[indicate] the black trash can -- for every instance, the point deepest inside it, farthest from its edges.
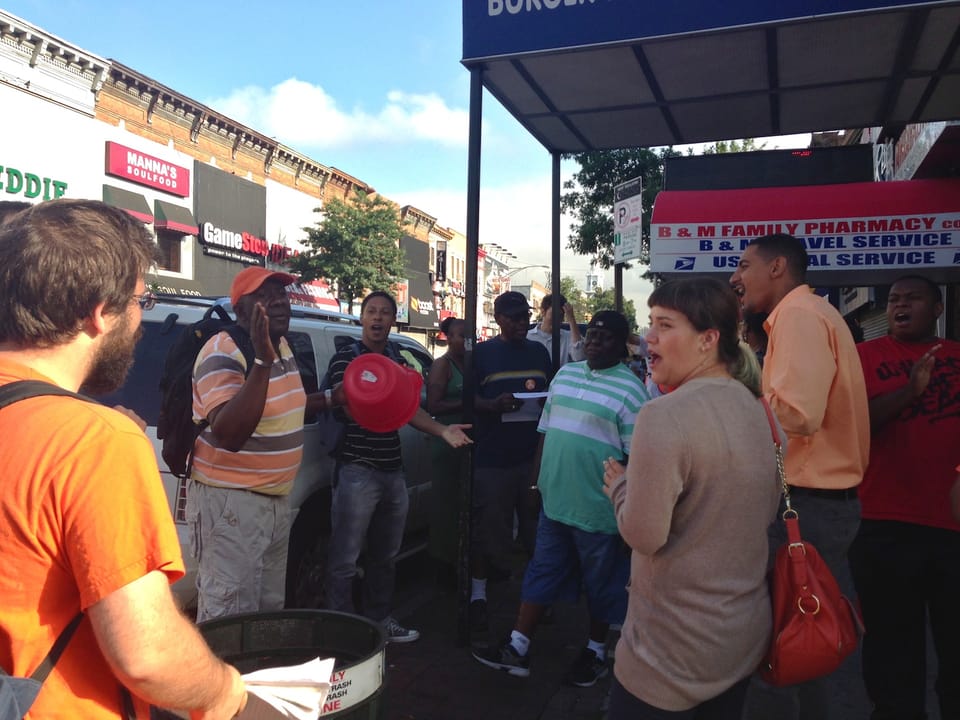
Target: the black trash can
(289, 637)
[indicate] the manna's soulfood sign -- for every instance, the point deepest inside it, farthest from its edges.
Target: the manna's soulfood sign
(143, 169)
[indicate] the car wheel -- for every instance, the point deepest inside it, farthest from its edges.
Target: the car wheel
(307, 553)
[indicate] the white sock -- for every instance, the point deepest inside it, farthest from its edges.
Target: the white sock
(478, 589)
(599, 649)
(520, 642)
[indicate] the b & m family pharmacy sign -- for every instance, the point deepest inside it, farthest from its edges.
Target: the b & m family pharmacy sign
(893, 226)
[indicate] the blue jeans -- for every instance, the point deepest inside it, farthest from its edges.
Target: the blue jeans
(369, 506)
(567, 558)
(830, 525)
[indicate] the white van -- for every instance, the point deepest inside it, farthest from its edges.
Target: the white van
(314, 337)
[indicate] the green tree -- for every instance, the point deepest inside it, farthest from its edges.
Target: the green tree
(574, 295)
(602, 299)
(730, 146)
(588, 197)
(355, 246)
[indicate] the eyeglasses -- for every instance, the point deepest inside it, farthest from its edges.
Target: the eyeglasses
(146, 301)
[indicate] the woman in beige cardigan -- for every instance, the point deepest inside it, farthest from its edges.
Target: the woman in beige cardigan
(694, 503)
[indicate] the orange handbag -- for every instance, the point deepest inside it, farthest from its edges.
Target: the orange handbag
(815, 627)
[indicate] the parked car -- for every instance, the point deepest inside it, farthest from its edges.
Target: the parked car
(314, 337)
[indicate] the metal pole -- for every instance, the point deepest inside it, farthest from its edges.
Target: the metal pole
(555, 262)
(618, 285)
(470, 331)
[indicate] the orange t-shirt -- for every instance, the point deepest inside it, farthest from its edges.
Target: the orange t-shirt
(82, 514)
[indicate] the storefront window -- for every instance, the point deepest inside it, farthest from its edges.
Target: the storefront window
(170, 250)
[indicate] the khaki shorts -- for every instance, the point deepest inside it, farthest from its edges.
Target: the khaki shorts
(239, 539)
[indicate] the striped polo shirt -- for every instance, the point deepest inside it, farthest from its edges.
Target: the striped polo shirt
(269, 459)
(588, 417)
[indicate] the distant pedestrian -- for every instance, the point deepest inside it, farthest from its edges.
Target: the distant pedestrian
(571, 342)
(694, 504)
(755, 335)
(445, 403)
(588, 417)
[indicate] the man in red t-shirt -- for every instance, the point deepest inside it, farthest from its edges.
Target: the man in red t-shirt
(906, 556)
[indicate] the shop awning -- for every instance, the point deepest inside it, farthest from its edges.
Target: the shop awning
(315, 294)
(133, 203)
(855, 233)
(174, 218)
(585, 76)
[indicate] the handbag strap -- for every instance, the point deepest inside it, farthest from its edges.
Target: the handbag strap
(781, 471)
(791, 518)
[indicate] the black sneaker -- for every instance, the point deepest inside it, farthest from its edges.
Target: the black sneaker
(586, 670)
(503, 657)
(397, 633)
(479, 622)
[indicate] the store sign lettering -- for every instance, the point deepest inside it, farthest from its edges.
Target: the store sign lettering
(243, 242)
(882, 243)
(18, 182)
(143, 169)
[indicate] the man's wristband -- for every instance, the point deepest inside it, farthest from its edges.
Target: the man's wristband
(328, 397)
(261, 363)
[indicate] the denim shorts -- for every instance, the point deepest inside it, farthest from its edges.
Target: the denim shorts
(568, 559)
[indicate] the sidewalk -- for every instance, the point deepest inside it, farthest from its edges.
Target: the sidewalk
(434, 679)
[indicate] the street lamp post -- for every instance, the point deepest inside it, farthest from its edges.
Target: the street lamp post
(513, 271)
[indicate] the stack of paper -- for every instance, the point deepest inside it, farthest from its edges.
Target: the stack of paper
(294, 691)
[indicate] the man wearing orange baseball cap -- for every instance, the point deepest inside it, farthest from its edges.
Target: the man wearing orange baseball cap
(248, 395)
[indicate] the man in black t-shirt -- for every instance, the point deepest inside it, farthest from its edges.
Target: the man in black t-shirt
(507, 441)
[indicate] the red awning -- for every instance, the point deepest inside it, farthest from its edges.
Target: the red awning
(174, 218)
(855, 234)
(315, 293)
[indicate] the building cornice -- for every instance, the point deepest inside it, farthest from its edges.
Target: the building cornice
(40, 50)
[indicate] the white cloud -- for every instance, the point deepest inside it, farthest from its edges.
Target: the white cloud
(301, 114)
(517, 216)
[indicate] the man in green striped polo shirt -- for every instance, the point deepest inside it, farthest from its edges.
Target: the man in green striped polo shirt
(588, 417)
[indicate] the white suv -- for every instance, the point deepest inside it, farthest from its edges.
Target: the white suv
(314, 337)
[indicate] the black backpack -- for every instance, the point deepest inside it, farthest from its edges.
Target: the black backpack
(18, 693)
(175, 426)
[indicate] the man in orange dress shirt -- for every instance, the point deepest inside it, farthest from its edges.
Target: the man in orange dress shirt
(814, 382)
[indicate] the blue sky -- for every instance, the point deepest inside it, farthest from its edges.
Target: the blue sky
(373, 88)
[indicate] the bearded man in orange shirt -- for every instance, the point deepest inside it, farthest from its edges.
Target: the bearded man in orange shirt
(86, 529)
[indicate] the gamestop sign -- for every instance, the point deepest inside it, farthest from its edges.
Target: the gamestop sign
(138, 167)
(243, 246)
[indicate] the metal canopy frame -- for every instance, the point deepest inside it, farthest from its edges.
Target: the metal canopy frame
(603, 75)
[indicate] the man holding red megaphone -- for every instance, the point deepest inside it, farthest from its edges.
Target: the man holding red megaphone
(370, 490)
